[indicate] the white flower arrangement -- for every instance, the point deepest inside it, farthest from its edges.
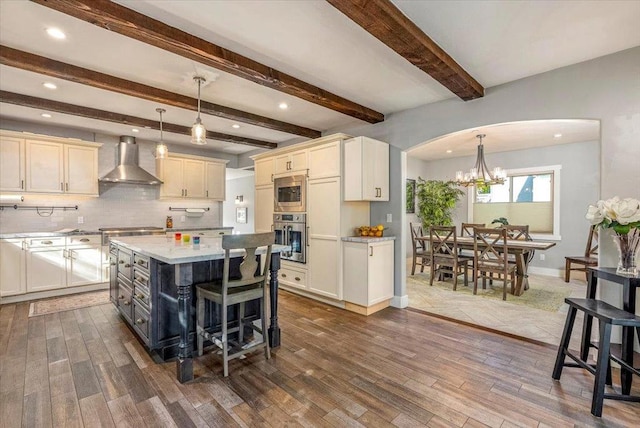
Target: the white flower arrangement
(621, 215)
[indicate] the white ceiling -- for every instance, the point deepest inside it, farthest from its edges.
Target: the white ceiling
(495, 41)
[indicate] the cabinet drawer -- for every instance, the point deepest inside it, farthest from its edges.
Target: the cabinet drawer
(141, 262)
(49, 241)
(141, 296)
(140, 280)
(124, 264)
(125, 301)
(292, 277)
(84, 240)
(141, 321)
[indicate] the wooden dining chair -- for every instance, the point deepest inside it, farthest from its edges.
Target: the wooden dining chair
(420, 251)
(444, 255)
(466, 229)
(520, 232)
(590, 257)
(251, 285)
(490, 251)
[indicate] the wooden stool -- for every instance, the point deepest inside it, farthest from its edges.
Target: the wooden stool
(607, 315)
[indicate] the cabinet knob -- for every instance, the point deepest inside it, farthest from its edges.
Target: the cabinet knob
(370, 251)
(139, 321)
(112, 264)
(120, 297)
(140, 296)
(297, 278)
(141, 262)
(127, 265)
(121, 261)
(84, 240)
(127, 303)
(284, 275)
(46, 242)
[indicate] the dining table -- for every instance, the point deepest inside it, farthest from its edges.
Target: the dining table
(518, 247)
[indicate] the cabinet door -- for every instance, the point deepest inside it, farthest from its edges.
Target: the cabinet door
(193, 174)
(45, 171)
(12, 267)
(46, 269)
(356, 272)
(11, 164)
(81, 170)
(380, 172)
(323, 256)
(282, 164)
(264, 171)
(380, 272)
(216, 181)
(171, 178)
(370, 180)
(298, 160)
(264, 209)
(85, 266)
(324, 160)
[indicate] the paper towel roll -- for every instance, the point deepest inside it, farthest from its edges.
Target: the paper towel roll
(194, 212)
(11, 198)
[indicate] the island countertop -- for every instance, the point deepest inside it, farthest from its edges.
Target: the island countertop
(165, 248)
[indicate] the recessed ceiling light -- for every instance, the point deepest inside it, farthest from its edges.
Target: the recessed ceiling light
(283, 106)
(235, 126)
(47, 115)
(135, 130)
(449, 151)
(557, 135)
(49, 85)
(56, 33)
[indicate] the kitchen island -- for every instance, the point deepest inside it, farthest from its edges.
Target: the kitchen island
(153, 279)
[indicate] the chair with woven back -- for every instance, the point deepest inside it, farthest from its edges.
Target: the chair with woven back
(491, 249)
(444, 255)
(420, 251)
(251, 285)
(590, 257)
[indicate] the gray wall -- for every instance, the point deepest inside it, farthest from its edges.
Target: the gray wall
(606, 89)
(244, 186)
(118, 204)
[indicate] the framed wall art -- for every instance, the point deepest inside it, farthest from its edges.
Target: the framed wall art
(241, 214)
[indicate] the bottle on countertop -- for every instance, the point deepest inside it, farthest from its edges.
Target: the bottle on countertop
(169, 222)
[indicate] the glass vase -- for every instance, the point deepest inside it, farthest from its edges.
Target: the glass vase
(628, 248)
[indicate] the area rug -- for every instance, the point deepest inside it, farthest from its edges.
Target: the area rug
(540, 295)
(68, 303)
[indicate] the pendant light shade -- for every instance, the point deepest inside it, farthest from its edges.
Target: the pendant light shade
(480, 175)
(198, 131)
(161, 148)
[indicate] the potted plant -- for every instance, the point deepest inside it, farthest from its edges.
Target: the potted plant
(436, 201)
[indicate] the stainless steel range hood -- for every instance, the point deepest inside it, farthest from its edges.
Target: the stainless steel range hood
(127, 170)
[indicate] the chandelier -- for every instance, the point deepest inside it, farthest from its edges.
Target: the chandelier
(198, 131)
(480, 175)
(161, 147)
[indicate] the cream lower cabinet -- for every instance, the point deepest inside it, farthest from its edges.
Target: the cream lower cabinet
(46, 264)
(323, 219)
(264, 209)
(12, 267)
(84, 260)
(368, 275)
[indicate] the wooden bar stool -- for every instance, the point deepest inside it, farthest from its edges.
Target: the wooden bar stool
(607, 316)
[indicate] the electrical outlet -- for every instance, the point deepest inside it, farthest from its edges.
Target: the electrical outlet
(80, 219)
(389, 218)
(542, 256)
(182, 218)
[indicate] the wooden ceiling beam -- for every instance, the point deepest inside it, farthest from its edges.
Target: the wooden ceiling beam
(121, 20)
(49, 67)
(383, 20)
(107, 116)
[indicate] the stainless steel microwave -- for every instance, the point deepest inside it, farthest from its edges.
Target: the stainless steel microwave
(290, 194)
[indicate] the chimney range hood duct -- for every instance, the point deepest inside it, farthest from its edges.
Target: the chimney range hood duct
(127, 170)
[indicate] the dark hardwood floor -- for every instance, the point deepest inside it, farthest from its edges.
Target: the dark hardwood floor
(334, 369)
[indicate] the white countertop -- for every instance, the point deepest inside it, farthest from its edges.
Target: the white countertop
(368, 239)
(164, 248)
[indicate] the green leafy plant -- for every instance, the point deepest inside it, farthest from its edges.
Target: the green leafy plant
(436, 201)
(503, 221)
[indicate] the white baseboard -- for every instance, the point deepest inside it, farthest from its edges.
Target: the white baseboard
(556, 273)
(54, 293)
(400, 301)
(328, 301)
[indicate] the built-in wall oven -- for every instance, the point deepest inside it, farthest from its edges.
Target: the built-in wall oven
(291, 230)
(290, 194)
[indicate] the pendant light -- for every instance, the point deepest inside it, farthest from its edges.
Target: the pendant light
(161, 148)
(198, 131)
(480, 175)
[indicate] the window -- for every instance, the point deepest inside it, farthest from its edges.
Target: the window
(528, 196)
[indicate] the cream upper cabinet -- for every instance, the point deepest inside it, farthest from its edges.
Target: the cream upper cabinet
(216, 181)
(264, 169)
(81, 170)
(45, 167)
(191, 177)
(193, 174)
(12, 267)
(263, 213)
(290, 162)
(366, 171)
(324, 160)
(12, 177)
